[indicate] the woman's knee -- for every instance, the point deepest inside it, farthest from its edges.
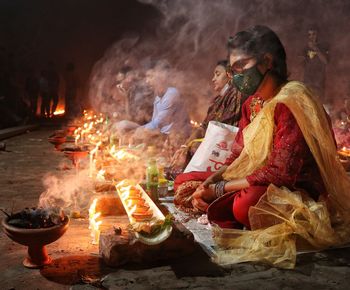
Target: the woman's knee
(244, 200)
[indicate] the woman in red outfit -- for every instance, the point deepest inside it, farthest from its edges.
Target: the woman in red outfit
(258, 64)
(283, 180)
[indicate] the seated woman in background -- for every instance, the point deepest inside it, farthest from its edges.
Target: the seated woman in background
(225, 108)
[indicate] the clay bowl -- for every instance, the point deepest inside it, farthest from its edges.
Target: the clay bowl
(70, 130)
(59, 133)
(57, 141)
(75, 156)
(35, 240)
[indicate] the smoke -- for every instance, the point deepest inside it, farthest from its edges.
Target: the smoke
(192, 36)
(74, 191)
(70, 192)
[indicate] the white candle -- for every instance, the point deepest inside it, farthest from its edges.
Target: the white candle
(76, 140)
(91, 163)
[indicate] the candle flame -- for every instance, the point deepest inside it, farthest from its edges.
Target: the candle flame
(195, 124)
(100, 175)
(94, 225)
(122, 154)
(59, 112)
(133, 209)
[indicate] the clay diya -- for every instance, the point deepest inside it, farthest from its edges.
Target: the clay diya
(70, 130)
(36, 241)
(75, 155)
(57, 141)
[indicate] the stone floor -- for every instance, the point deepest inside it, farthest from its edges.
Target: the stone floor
(76, 264)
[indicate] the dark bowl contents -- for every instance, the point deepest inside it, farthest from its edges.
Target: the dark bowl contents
(36, 218)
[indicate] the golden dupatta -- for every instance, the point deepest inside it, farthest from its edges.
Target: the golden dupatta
(283, 218)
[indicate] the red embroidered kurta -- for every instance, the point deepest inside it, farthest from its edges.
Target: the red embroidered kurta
(290, 163)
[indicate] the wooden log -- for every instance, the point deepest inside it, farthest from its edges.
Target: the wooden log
(120, 249)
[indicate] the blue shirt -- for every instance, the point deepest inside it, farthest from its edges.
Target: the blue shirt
(170, 114)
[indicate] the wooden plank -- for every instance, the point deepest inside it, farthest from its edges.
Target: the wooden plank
(202, 233)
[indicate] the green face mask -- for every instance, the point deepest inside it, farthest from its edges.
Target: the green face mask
(248, 81)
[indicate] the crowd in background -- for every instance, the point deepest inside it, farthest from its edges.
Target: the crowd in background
(33, 93)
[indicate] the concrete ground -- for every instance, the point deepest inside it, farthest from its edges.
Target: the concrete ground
(76, 264)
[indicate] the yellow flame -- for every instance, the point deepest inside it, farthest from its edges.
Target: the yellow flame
(100, 175)
(121, 154)
(59, 112)
(195, 123)
(94, 225)
(93, 151)
(133, 209)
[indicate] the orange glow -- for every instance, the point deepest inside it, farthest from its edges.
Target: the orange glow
(59, 112)
(344, 151)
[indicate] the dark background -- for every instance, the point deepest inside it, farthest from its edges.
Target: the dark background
(191, 33)
(36, 31)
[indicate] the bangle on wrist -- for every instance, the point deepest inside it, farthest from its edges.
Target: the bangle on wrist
(219, 188)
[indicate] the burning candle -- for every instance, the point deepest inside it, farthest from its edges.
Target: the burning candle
(92, 153)
(76, 140)
(100, 175)
(91, 163)
(93, 223)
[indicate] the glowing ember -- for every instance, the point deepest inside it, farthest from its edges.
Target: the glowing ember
(94, 225)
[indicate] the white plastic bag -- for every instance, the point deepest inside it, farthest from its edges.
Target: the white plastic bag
(215, 148)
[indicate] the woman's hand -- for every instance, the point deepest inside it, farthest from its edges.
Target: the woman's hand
(217, 176)
(202, 197)
(209, 181)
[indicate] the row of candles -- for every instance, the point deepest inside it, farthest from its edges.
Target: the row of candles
(92, 134)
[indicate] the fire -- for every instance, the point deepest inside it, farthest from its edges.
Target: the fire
(133, 209)
(59, 112)
(100, 175)
(195, 124)
(124, 193)
(93, 154)
(94, 225)
(121, 154)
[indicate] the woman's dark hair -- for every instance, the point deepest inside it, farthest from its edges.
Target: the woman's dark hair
(259, 40)
(223, 63)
